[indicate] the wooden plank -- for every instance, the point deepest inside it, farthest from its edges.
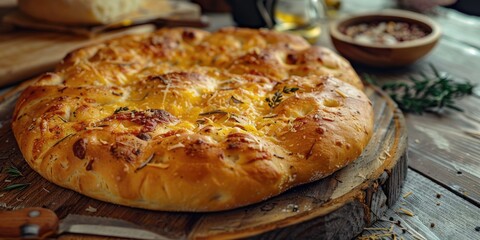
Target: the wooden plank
(447, 153)
(454, 25)
(452, 216)
(354, 6)
(25, 54)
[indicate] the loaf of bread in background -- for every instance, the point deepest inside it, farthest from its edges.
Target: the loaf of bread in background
(78, 12)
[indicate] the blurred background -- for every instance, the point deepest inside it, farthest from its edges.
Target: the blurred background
(46, 32)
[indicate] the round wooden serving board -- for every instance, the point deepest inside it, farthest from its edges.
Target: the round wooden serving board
(337, 207)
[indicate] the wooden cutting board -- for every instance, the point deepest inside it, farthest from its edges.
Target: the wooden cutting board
(24, 54)
(337, 207)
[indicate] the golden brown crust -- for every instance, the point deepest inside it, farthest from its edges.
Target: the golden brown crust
(178, 120)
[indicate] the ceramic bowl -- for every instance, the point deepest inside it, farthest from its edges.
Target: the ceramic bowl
(381, 55)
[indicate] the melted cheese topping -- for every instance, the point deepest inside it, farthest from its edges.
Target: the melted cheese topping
(180, 97)
(216, 81)
(193, 74)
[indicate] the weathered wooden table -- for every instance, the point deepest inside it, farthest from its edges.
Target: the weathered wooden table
(443, 183)
(442, 190)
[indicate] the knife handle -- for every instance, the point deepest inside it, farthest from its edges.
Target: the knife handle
(36, 223)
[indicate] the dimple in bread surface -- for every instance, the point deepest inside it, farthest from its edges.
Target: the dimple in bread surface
(178, 119)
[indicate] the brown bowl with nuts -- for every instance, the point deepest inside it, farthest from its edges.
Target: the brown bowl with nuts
(388, 38)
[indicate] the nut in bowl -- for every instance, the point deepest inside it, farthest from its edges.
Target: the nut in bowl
(388, 38)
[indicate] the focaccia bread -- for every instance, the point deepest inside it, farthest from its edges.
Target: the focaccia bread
(187, 120)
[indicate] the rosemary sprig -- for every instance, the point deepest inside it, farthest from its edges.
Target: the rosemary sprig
(278, 96)
(19, 186)
(424, 93)
(271, 116)
(275, 100)
(61, 140)
(120, 109)
(149, 159)
(61, 118)
(13, 172)
(289, 90)
(221, 112)
(236, 100)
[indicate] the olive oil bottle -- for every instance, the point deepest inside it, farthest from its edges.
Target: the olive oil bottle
(301, 17)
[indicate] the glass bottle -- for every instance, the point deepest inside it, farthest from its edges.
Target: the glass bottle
(301, 17)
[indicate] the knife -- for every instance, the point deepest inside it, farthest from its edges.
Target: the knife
(41, 223)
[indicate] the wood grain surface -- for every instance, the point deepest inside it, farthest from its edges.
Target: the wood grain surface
(24, 54)
(452, 216)
(337, 207)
